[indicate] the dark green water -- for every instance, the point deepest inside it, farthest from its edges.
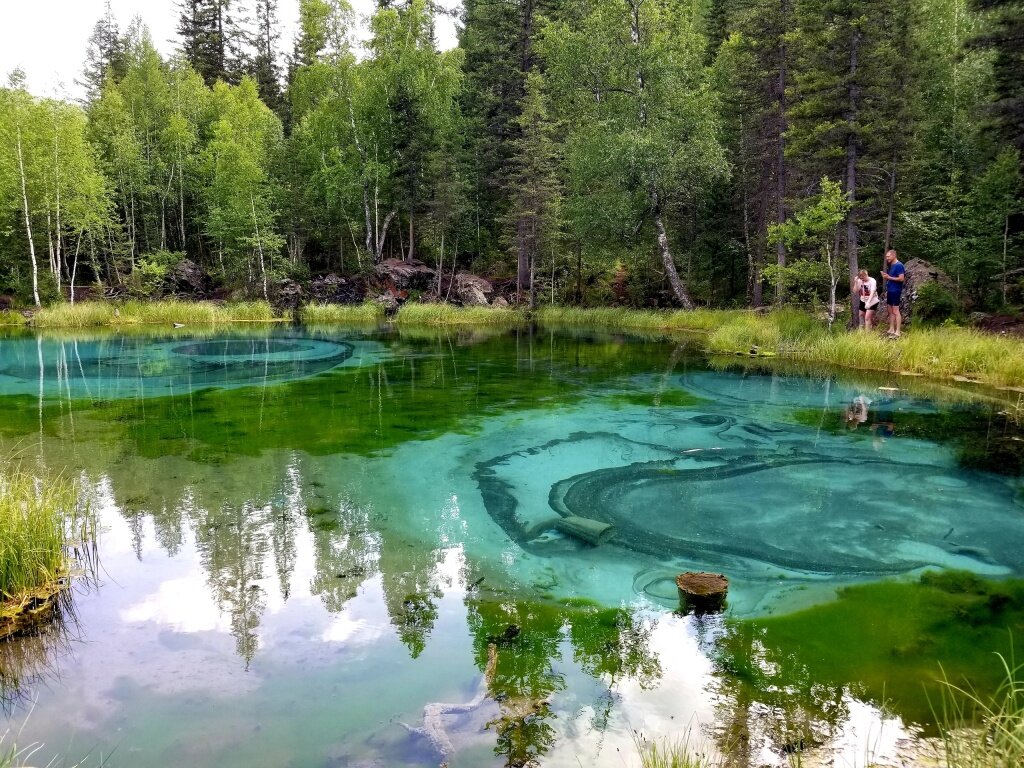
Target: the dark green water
(308, 538)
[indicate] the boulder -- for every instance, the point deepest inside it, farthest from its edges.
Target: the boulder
(332, 289)
(286, 294)
(389, 301)
(919, 273)
(410, 275)
(186, 278)
(500, 301)
(472, 291)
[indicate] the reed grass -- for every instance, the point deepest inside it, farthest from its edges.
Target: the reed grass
(619, 318)
(98, 313)
(666, 753)
(10, 317)
(342, 314)
(448, 314)
(980, 731)
(33, 529)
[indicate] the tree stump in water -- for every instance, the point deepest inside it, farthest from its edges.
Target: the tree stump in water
(702, 592)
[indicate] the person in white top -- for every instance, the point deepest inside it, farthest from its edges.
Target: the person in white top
(866, 290)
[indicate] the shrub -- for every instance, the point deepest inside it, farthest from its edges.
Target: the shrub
(933, 303)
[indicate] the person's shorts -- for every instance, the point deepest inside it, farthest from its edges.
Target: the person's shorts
(865, 308)
(893, 299)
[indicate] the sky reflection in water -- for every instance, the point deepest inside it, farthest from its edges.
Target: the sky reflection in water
(309, 537)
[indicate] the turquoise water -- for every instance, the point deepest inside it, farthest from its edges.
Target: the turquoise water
(309, 538)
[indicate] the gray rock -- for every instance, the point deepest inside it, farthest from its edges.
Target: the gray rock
(472, 290)
(406, 275)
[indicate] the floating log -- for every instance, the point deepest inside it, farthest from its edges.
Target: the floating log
(591, 531)
(702, 592)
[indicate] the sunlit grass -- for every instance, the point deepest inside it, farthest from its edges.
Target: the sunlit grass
(96, 313)
(448, 314)
(10, 317)
(33, 517)
(619, 318)
(342, 314)
(984, 731)
(666, 753)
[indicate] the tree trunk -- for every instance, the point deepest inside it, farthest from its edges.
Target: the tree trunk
(851, 173)
(891, 208)
(259, 247)
(1006, 238)
(522, 257)
(28, 223)
(678, 288)
(780, 154)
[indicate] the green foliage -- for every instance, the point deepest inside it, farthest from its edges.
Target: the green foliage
(34, 517)
(934, 303)
(96, 313)
(370, 312)
(446, 314)
(150, 270)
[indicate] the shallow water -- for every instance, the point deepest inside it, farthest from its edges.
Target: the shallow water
(308, 537)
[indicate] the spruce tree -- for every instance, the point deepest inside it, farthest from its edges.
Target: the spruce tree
(1006, 39)
(104, 56)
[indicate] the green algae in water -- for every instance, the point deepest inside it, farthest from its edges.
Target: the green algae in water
(341, 488)
(888, 642)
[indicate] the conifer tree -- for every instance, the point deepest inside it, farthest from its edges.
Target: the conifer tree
(104, 56)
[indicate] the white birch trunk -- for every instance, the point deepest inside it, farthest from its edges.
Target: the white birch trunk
(28, 227)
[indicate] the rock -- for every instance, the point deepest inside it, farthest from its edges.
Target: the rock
(186, 278)
(388, 301)
(500, 301)
(471, 290)
(702, 592)
(402, 275)
(919, 273)
(286, 294)
(332, 289)
(6, 302)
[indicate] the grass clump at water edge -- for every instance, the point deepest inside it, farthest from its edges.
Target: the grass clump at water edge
(620, 318)
(448, 314)
(37, 518)
(97, 313)
(981, 731)
(328, 314)
(667, 753)
(10, 317)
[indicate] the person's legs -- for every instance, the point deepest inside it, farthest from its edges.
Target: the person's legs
(898, 318)
(862, 323)
(892, 318)
(869, 319)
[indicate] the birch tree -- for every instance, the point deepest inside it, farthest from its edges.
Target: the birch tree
(642, 141)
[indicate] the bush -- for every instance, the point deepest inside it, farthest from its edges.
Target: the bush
(933, 303)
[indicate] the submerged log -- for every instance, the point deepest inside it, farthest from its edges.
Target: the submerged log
(591, 531)
(702, 592)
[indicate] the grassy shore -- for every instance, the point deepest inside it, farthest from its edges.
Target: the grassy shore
(89, 314)
(342, 314)
(35, 517)
(10, 317)
(937, 352)
(447, 314)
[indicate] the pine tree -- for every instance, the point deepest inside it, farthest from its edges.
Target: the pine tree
(104, 56)
(212, 38)
(264, 68)
(1006, 38)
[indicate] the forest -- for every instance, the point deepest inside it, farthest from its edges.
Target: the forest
(599, 152)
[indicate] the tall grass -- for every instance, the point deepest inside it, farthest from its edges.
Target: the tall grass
(330, 314)
(10, 317)
(448, 314)
(97, 313)
(670, 754)
(33, 526)
(984, 731)
(620, 318)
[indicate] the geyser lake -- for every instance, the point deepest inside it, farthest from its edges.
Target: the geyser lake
(310, 539)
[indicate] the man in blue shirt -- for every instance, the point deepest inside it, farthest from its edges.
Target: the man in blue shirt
(895, 277)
